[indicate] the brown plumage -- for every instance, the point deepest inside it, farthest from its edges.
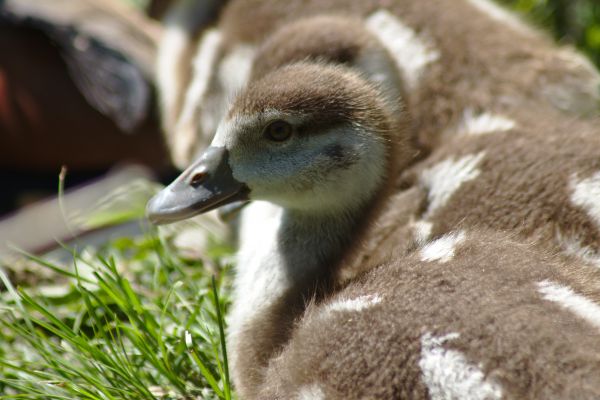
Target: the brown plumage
(466, 274)
(484, 63)
(490, 293)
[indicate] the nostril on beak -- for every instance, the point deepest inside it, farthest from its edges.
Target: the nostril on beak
(198, 178)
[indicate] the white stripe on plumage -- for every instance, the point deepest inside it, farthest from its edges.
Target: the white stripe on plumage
(585, 193)
(573, 246)
(473, 123)
(445, 178)
(442, 249)
(448, 375)
(310, 392)
(359, 303)
(569, 300)
(412, 52)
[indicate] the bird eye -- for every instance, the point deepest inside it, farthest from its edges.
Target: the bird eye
(278, 131)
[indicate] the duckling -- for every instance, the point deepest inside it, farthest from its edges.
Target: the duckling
(314, 140)
(466, 61)
(526, 183)
(454, 317)
(313, 237)
(523, 184)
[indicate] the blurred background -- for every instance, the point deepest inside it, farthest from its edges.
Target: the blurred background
(570, 21)
(77, 90)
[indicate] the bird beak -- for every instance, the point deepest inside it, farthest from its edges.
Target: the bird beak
(207, 184)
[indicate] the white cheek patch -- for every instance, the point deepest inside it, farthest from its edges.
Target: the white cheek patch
(444, 179)
(571, 301)
(500, 14)
(585, 193)
(411, 52)
(322, 178)
(361, 179)
(354, 305)
(310, 392)
(483, 123)
(449, 376)
(442, 249)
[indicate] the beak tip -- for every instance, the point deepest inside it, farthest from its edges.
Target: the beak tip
(182, 199)
(153, 211)
(157, 209)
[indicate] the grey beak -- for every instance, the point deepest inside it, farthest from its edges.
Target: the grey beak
(207, 184)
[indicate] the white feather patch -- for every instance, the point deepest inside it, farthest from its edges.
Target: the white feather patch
(568, 299)
(421, 231)
(174, 46)
(204, 67)
(448, 375)
(412, 52)
(500, 14)
(442, 249)
(259, 279)
(232, 74)
(483, 123)
(572, 246)
(445, 178)
(357, 304)
(586, 194)
(234, 70)
(311, 392)
(186, 136)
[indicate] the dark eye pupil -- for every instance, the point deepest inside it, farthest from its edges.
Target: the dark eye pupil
(279, 131)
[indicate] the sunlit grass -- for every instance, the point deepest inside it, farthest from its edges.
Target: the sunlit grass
(131, 320)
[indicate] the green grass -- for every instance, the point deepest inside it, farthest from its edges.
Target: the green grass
(131, 320)
(570, 21)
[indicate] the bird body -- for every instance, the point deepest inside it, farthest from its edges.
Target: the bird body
(411, 236)
(469, 315)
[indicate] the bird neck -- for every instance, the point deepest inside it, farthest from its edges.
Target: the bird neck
(286, 259)
(309, 243)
